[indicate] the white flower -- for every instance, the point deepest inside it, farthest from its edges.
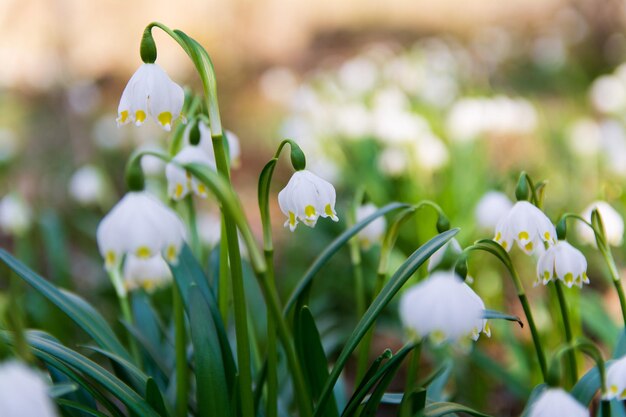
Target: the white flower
(179, 181)
(616, 380)
(88, 185)
(305, 198)
(140, 225)
(564, 262)
(23, 392)
(430, 151)
(209, 228)
(206, 142)
(150, 91)
(491, 208)
(612, 220)
(393, 162)
(526, 225)
(554, 402)
(608, 94)
(373, 232)
(436, 258)
(444, 307)
(15, 215)
(150, 273)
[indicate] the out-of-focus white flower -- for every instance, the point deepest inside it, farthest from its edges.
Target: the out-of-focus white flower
(549, 51)
(353, 121)
(83, 97)
(393, 162)
(430, 151)
(564, 262)
(491, 208)
(452, 246)
(526, 225)
(613, 145)
(554, 402)
(150, 91)
(149, 274)
(9, 144)
(209, 228)
(373, 232)
(23, 392)
(88, 185)
(395, 127)
(15, 215)
(444, 308)
(305, 198)
(616, 380)
(358, 75)
(608, 94)
(106, 135)
(612, 220)
(234, 148)
(179, 181)
(585, 137)
(278, 84)
(140, 225)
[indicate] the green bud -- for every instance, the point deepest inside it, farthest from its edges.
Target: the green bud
(147, 49)
(521, 190)
(443, 224)
(135, 180)
(194, 132)
(461, 267)
(298, 160)
(561, 229)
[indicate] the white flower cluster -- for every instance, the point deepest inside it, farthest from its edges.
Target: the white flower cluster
(556, 402)
(23, 392)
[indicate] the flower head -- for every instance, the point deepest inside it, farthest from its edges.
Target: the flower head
(444, 307)
(306, 198)
(565, 262)
(556, 402)
(616, 380)
(88, 186)
(612, 220)
(23, 392)
(179, 181)
(373, 232)
(526, 225)
(142, 226)
(150, 91)
(492, 207)
(16, 216)
(149, 273)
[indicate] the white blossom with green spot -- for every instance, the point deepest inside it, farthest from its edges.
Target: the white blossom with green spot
(565, 262)
(526, 225)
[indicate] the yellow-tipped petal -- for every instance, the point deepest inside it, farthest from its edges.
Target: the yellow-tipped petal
(123, 117)
(309, 211)
(523, 236)
(140, 117)
(165, 119)
(178, 192)
(109, 259)
(143, 252)
(171, 253)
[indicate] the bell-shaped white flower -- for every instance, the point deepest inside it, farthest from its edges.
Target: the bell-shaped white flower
(491, 208)
(612, 220)
(179, 181)
(616, 380)
(140, 225)
(526, 225)
(565, 262)
(149, 274)
(23, 392)
(554, 402)
(373, 232)
(150, 91)
(444, 308)
(16, 215)
(306, 198)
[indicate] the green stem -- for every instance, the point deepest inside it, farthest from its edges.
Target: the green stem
(196, 248)
(122, 297)
(359, 289)
(535, 335)
(182, 371)
(617, 282)
(569, 337)
(224, 294)
(272, 346)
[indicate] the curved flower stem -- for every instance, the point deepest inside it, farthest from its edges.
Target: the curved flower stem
(569, 337)
(495, 249)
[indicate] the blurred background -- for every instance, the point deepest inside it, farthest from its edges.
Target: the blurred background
(410, 100)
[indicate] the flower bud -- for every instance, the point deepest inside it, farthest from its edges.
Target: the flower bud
(521, 190)
(298, 160)
(147, 49)
(561, 229)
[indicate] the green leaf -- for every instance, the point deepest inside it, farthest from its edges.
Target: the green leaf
(137, 377)
(211, 392)
(60, 390)
(492, 314)
(41, 343)
(155, 398)
(311, 354)
(533, 397)
(620, 348)
(80, 407)
(437, 385)
(81, 312)
(390, 289)
(443, 409)
(329, 252)
(588, 385)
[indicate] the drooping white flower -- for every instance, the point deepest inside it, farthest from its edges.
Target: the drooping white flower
(373, 232)
(15, 215)
(140, 225)
(565, 262)
(150, 91)
(612, 220)
(616, 380)
(443, 307)
(491, 208)
(305, 198)
(393, 162)
(88, 185)
(23, 392)
(526, 225)
(554, 402)
(179, 181)
(147, 273)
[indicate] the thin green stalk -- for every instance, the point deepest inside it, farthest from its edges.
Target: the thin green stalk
(122, 297)
(196, 248)
(411, 379)
(535, 334)
(272, 346)
(615, 278)
(569, 337)
(359, 290)
(223, 289)
(182, 371)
